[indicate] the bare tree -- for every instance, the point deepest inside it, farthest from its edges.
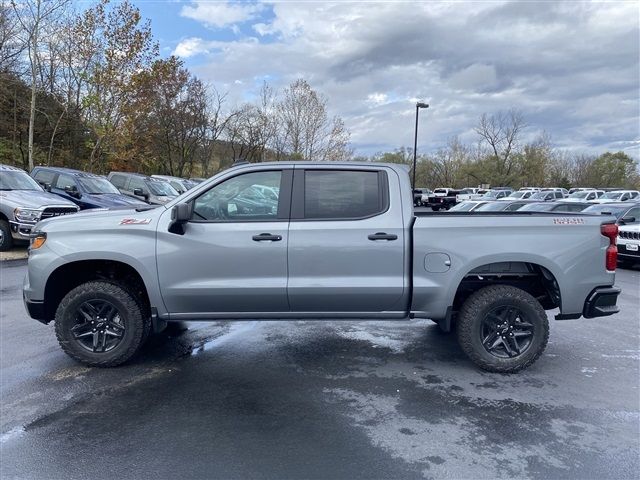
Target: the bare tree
(11, 45)
(307, 132)
(217, 123)
(33, 15)
(501, 133)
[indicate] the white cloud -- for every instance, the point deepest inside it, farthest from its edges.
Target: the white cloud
(377, 98)
(193, 46)
(220, 14)
(550, 60)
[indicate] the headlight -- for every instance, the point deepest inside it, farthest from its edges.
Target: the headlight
(27, 215)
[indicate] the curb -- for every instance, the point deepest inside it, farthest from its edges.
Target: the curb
(13, 262)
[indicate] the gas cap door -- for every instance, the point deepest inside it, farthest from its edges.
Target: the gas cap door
(437, 262)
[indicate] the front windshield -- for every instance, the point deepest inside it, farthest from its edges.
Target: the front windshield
(518, 195)
(16, 180)
(579, 195)
(536, 207)
(161, 188)
(611, 195)
(463, 207)
(539, 195)
(97, 185)
(492, 207)
(491, 194)
(606, 209)
(439, 190)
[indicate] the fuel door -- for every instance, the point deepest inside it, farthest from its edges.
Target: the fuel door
(437, 262)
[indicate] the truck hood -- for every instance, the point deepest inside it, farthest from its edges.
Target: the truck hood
(33, 199)
(102, 219)
(111, 200)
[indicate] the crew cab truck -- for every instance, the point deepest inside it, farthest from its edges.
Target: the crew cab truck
(341, 242)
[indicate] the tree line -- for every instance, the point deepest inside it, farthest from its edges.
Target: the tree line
(501, 156)
(89, 90)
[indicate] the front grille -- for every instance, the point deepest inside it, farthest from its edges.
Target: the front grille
(630, 235)
(51, 212)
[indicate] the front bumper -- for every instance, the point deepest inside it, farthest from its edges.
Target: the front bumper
(601, 302)
(625, 252)
(36, 310)
(21, 230)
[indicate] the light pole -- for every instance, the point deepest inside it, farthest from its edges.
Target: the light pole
(419, 105)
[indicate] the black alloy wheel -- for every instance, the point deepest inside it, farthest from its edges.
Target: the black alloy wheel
(99, 326)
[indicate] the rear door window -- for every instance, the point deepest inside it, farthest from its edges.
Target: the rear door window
(343, 194)
(44, 176)
(118, 180)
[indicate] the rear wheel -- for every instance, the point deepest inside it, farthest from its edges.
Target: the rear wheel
(101, 324)
(435, 209)
(502, 329)
(6, 240)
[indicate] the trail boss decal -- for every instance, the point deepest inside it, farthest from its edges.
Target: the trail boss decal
(135, 221)
(568, 221)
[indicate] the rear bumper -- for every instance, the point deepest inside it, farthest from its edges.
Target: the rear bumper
(601, 302)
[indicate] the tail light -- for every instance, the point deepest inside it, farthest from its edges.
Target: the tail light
(610, 230)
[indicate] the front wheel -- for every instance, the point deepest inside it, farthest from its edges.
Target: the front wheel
(435, 209)
(101, 324)
(502, 329)
(6, 241)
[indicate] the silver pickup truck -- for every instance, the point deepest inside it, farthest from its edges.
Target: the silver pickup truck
(337, 241)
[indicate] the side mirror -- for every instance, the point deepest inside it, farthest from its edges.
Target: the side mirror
(47, 186)
(138, 192)
(627, 220)
(180, 214)
(72, 190)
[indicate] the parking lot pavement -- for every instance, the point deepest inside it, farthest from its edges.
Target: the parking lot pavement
(320, 400)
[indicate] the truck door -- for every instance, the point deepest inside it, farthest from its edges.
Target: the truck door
(346, 241)
(232, 255)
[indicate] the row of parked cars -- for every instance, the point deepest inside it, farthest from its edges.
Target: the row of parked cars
(51, 191)
(623, 204)
(445, 198)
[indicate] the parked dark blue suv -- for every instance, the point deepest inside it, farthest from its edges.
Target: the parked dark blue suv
(86, 190)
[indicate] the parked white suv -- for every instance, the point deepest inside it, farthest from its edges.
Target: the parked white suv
(629, 244)
(617, 196)
(584, 195)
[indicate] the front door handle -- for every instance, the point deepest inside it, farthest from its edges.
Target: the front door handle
(382, 236)
(267, 237)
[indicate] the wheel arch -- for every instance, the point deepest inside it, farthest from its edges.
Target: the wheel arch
(533, 277)
(69, 275)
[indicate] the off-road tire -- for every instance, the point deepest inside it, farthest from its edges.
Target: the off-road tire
(137, 324)
(478, 305)
(6, 241)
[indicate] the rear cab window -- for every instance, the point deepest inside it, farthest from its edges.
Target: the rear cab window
(339, 194)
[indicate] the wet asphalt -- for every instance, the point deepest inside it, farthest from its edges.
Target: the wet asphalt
(322, 399)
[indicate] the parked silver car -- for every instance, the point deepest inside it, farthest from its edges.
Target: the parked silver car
(23, 203)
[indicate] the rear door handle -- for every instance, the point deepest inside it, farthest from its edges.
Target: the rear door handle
(382, 236)
(267, 237)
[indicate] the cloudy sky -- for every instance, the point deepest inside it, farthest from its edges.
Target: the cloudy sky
(571, 67)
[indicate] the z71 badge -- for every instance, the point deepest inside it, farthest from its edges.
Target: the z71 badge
(135, 221)
(569, 221)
